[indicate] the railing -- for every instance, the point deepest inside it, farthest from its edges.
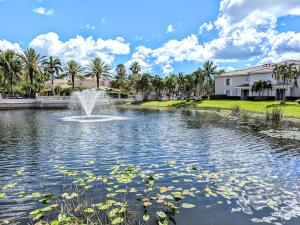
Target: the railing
(16, 101)
(53, 99)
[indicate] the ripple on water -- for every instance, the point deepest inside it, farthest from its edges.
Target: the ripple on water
(258, 173)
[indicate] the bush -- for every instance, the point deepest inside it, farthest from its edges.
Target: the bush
(82, 88)
(291, 98)
(115, 94)
(261, 98)
(283, 103)
(235, 111)
(67, 91)
(275, 115)
(224, 97)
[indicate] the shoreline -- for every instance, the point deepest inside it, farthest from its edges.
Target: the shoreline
(221, 111)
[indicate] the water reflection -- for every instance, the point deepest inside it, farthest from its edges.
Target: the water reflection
(261, 171)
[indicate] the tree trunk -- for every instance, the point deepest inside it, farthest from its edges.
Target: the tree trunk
(197, 90)
(52, 83)
(4, 87)
(97, 82)
(11, 86)
(73, 83)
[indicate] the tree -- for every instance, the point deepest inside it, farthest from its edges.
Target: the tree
(199, 80)
(98, 68)
(284, 73)
(189, 85)
(121, 82)
(53, 68)
(158, 85)
(209, 69)
(135, 68)
(121, 71)
(144, 85)
(260, 85)
(73, 70)
(10, 66)
(180, 84)
(171, 84)
(32, 62)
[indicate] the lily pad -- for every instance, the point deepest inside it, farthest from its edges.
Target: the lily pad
(187, 205)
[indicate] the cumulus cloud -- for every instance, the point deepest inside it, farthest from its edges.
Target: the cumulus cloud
(90, 27)
(170, 29)
(206, 27)
(43, 11)
(142, 55)
(5, 45)
(246, 31)
(79, 48)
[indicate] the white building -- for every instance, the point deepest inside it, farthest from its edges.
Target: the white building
(239, 82)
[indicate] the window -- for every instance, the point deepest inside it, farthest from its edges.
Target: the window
(228, 81)
(227, 93)
(247, 79)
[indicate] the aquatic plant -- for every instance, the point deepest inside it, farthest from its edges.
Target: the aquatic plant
(236, 110)
(275, 115)
(137, 194)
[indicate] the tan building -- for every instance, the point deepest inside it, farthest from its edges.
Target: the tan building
(239, 82)
(86, 83)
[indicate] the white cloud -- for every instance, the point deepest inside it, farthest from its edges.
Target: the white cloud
(90, 27)
(5, 45)
(142, 56)
(170, 29)
(79, 48)
(44, 11)
(230, 68)
(206, 27)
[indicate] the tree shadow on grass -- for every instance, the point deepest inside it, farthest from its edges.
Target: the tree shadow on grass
(275, 106)
(185, 104)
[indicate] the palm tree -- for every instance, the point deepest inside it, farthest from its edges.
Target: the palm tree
(158, 85)
(98, 68)
(72, 70)
(209, 69)
(53, 67)
(199, 79)
(144, 85)
(135, 68)
(277, 73)
(189, 85)
(296, 76)
(121, 71)
(32, 62)
(11, 67)
(171, 84)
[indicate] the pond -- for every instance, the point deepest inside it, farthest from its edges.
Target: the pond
(166, 167)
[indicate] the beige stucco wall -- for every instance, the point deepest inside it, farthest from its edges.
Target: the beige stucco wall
(221, 87)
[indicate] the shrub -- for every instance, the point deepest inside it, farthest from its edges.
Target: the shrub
(67, 91)
(115, 94)
(275, 115)
(235, 111)
(283, 102)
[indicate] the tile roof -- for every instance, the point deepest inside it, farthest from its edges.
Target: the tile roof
(265, 68)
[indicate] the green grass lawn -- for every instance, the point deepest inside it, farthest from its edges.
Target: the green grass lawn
(291, 109)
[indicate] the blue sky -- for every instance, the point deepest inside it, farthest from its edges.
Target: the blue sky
(164, 36)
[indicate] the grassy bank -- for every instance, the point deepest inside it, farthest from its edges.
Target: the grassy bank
(291, 109)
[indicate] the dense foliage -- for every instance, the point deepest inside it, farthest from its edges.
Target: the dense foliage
(25, 74)
(183, 86)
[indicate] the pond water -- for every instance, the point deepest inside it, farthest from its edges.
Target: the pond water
(230, 172)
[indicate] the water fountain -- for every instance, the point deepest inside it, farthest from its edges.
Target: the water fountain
(87, 100)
